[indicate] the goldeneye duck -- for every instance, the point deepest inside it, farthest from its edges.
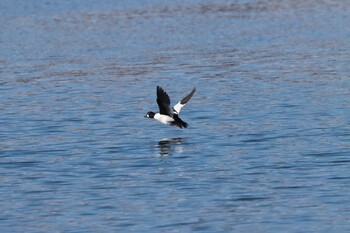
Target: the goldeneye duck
(166, 116)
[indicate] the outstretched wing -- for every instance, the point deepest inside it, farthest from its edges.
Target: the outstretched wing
(179, 105)
(163, 101)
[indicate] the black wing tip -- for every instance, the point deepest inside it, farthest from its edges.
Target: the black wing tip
(188, 97)
(160, 90)
(193, 90)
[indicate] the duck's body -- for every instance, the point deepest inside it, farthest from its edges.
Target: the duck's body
(165, 115)
(163, 118)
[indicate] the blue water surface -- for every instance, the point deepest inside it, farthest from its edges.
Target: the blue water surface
(268, 147)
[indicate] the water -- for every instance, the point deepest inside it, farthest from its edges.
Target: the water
(268, 145)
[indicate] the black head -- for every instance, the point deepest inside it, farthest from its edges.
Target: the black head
(150, 115)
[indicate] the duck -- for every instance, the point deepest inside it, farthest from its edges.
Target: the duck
(167, 115)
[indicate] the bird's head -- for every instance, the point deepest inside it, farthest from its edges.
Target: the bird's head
(150, 115)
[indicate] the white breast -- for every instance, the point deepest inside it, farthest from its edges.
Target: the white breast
(163, 118)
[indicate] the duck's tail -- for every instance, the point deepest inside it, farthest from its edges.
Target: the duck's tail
(178, 122)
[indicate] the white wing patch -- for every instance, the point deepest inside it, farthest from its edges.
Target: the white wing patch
(177, 107)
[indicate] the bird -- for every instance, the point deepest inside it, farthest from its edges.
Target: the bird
(167, 116)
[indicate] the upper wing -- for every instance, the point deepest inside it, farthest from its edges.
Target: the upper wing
(163, 101)
(179, 105)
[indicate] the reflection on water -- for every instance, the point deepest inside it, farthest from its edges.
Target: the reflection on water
(167, 146)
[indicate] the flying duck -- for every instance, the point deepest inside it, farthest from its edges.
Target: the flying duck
(166, 116)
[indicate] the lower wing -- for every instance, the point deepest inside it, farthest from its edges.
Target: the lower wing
(177, 108)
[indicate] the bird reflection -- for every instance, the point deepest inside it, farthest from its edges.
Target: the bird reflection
(167, 146)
